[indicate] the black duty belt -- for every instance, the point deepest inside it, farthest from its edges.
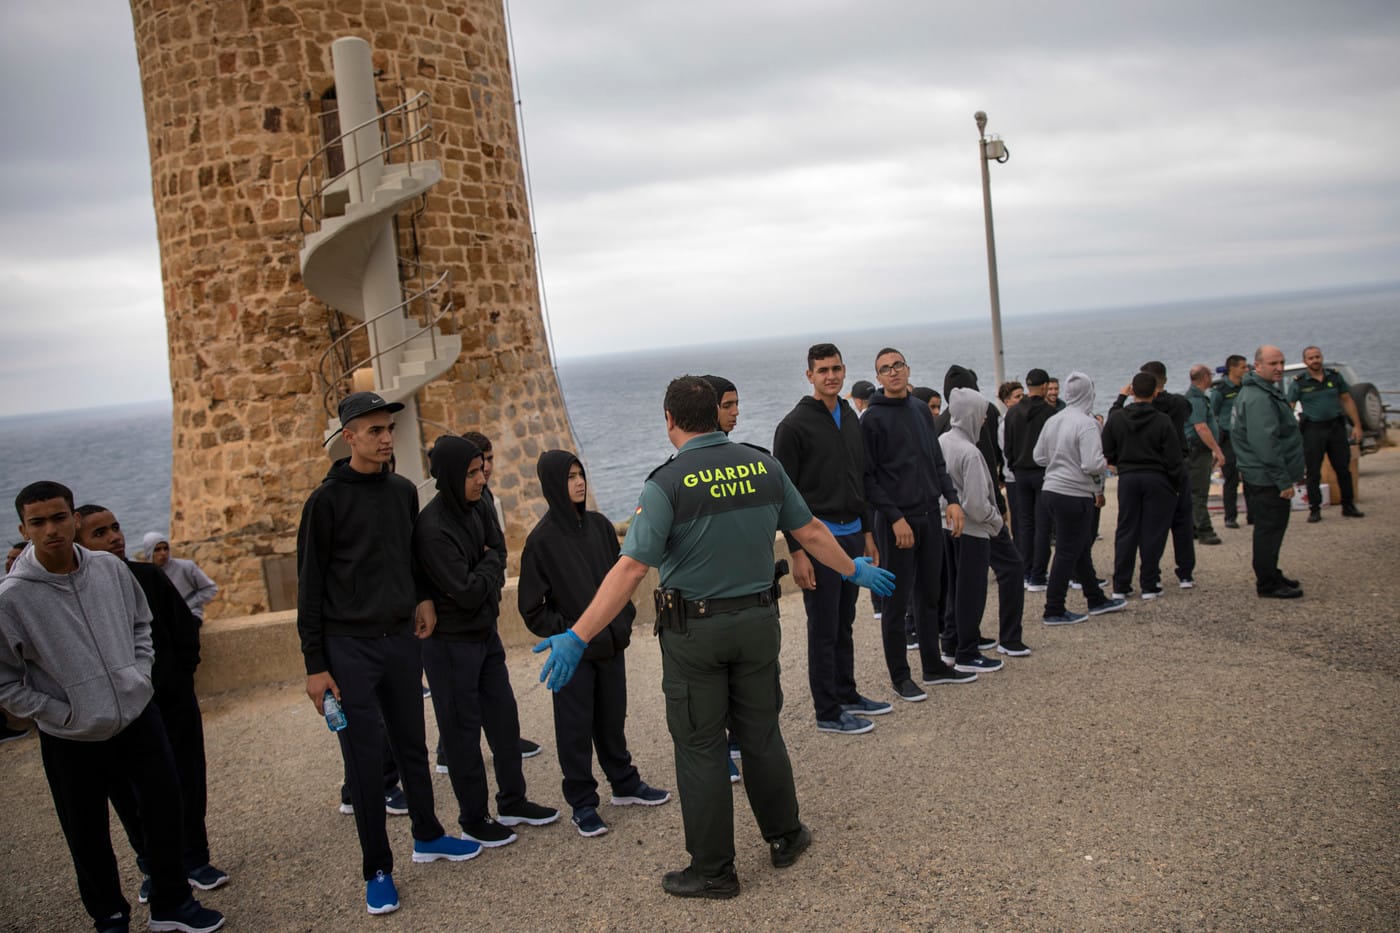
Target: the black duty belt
(704, 608)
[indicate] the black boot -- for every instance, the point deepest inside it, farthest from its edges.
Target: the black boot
(1349, 510)
(1314, 515)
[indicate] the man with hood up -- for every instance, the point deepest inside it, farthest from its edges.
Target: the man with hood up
(984, 542)
(566, 556)
(1071, 452)
(1140, 444)
(461, 552)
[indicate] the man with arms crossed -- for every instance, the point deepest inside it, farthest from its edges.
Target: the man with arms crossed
(819, 445)
(707, 518)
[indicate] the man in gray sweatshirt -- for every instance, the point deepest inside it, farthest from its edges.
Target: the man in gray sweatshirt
(1071, 452)
(984, 542)
(75, 656)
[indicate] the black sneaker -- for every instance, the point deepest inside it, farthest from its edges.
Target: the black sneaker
(907, 691)
(527, 812)
(489, 833)
(1209, 537)
(395, 803)
(588, 822)
(1015, 649)
(976, 665)
(529, 749)
(189, 917)
(206, 877)
(1281, 592)
(951, 675)
(1314, 515)
(117, 923)
(986, 644)
(686, 883)
(1351, 511)
(786, 850)
(1231, 523)
(1152, 592)
(1287, 581)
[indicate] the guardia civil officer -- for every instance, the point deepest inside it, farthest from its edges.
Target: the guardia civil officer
(1325, 395)
(707, 519)
(1222, 402)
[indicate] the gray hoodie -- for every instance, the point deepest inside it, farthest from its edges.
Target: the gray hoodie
(1070, 447)
(967, 410)
(75, 648)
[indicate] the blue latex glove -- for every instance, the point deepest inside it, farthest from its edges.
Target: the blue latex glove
(565, 651)
(876, 579)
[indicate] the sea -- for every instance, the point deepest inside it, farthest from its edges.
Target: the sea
(120, 456)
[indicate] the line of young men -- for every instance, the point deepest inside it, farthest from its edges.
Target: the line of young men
(387, 594)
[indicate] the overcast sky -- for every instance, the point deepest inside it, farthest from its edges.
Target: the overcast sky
(720, 170)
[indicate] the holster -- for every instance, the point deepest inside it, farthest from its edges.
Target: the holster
(670, 610)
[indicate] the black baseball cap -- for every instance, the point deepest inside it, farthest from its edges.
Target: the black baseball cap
(359, 404)
(862, 389)
(1037, 377)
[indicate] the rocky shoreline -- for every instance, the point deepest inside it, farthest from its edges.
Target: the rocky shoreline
(1207, 760)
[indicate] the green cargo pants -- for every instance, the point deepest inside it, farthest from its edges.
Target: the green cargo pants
(726, 668)
(1200, 463)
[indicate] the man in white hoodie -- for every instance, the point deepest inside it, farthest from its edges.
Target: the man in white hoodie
(984, 543)
(76, 656)
(1072, 453)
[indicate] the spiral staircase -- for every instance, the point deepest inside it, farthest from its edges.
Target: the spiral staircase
(359, 196)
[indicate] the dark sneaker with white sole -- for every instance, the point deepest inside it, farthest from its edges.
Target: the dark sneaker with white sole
(206, 877)
(1065, 618)
(786, 850)
(489, 833)
(588, 822)
(910, 693)
(1014, 649)
(846, 725)
(864, 706)
(686, 883)
(532, 814)
(529, 749)
(1110, 605)
(189, 917)
(986, 644)
(978, 665)
(645, 795)
(949, 675)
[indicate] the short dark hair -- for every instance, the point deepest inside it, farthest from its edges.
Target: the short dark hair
(1006, 388)
(1311, 346)
(1144, 384)
(1156, 368)
(479, 440)
(692, 404)
(84, 511)
(1232, 359)
(900, 353)
(821, 351)
(923, 393)
(42, 491)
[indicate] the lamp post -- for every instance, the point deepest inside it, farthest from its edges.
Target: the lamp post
(992, 150)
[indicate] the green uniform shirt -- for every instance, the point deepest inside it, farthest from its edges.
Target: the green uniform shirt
(707, 518)
(1222, 402)
(1201, 413)
(1268, 444)
(1321, 398)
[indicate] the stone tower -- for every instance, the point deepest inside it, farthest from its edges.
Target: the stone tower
(239, 97)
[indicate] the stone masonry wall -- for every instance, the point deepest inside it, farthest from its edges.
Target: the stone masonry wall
(230, 92)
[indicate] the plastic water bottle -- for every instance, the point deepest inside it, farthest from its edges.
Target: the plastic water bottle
(335, 716)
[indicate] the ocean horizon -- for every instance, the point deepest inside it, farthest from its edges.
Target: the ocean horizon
(120, 455)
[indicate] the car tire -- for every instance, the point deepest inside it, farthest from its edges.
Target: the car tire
(1371, 409)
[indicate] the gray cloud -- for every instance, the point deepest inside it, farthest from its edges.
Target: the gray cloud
(735, 168)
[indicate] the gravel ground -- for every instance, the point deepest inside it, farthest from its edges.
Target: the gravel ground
(1206, 761)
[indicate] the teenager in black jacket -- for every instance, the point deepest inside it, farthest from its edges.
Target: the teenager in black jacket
(567, 554)
(1030, 517)
(460, 550)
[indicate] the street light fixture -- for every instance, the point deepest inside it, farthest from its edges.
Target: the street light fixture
(992, 150)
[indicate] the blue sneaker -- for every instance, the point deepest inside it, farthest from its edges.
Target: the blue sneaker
(864, 706)
(445, 847)
(1109, 605)
(1065, 618)
(733, 772)
(846, 725)
(978, 664)
(381, 897)
(189, 917)
(588, 822)
(395, 803)
(645, 795)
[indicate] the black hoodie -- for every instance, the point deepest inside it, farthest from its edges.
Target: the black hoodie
(1024, 422)
(824, 462)
(174, 631)
(904, 467)
(566, 556)
(959, 377)
(459, 548)
(1140, 439)
(355, 559)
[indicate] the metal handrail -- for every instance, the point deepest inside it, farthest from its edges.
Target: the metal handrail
(336, 382)
(413, 141)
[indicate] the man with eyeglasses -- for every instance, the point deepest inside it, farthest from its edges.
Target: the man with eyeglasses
(904, 477)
